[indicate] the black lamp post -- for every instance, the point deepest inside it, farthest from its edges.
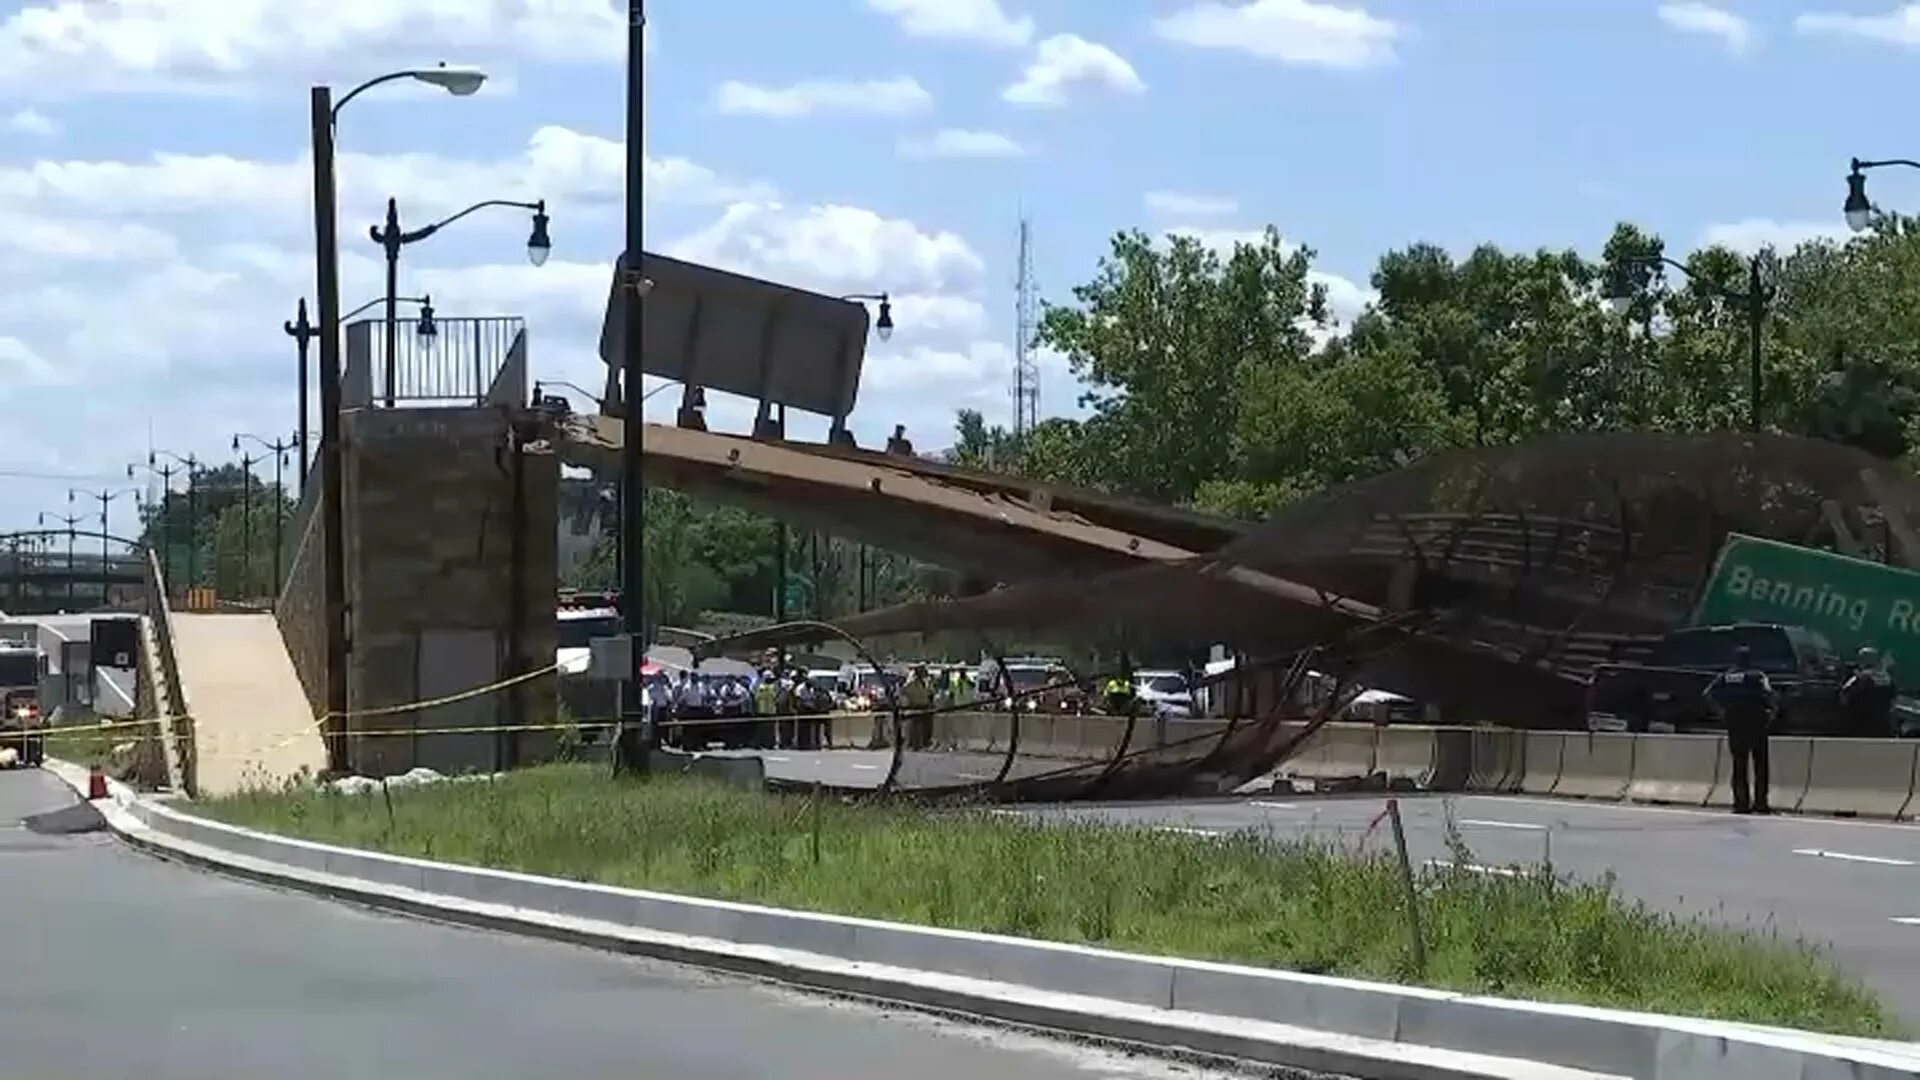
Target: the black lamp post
(633, 287)
(191, 466)
(279, 448)
(1858, 209)
(69, 520)
(1629, 279)
(326, 227)
(105, 498)
(302, 333)
(165, 473)
(392, 238)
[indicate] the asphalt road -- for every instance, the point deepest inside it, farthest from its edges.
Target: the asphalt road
(1852, 886)
(119, 964)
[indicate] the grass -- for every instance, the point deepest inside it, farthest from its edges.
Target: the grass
(1247, 898)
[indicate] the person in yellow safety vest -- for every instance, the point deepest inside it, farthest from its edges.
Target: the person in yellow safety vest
(917, 696)
(766, 696)
(1119, 695)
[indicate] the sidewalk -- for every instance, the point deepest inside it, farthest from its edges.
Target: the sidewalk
(253, 726)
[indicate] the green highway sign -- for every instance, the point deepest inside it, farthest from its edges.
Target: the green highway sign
(1851, 602)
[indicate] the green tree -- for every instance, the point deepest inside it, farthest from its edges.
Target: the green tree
(237, 549)
(1165, 337)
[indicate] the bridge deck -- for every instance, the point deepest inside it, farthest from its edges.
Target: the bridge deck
(252, 722)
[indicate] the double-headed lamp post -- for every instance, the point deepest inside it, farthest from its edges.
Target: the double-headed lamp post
(165, 473)
(105, 499)
(278, 448)
(191, 466)
(70, 521)
(1629, 280)
(1858, 208)
(391, 237)
(325, 115)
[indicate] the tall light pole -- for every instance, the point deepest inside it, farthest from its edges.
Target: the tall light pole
(631, 293)
(392, 238)
(165, 473)
(279, 448)
(326, 228)
(302, 332)
(105, 498)
(1858, 208)
(1629, 279)
(246, 523)
(70, 520)
(191, 466)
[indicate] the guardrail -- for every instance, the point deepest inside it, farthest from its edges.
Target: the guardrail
(1876, 778)
(170, 699)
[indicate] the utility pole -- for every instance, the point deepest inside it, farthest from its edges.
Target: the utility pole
(631, 292)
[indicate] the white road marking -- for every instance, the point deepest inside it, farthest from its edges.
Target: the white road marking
(1274, 805)
(1783, 819)
(868, 767)
(1819, 854)
(1907, 922)
(776, 757)
(1474, 868)
(1186, 830)
(974, 775)
(1502, 824)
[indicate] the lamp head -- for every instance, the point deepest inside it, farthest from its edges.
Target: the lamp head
(539, 245)
(1858, 210)
(427, 329)
(884, 325)
(458, 81)
(1620, 289)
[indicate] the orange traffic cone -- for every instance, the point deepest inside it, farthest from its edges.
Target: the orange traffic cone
(96, 783)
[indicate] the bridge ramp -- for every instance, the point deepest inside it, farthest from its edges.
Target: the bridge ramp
(253, 726)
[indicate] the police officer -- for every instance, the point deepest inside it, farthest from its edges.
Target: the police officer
(1744, 698)
(1868, 697)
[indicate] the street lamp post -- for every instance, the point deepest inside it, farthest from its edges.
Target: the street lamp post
(392, 238)
(165, 473)
(630, 752)
(326, 213)
(302, 332)
(279, 448)
(70, 520)
(1858, 208)
(105, 499)
(191, 466)
(1626, 285)
(246, 524)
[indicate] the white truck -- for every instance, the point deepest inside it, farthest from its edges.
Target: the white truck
(22, 728)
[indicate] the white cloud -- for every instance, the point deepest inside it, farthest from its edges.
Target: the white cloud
(1753, 234)
(1304, 32)
(32, 122)
(20, 363)
(1183, 204)
(568, 168)
(1901, 26)
(960, 143)
(1065, 61)
(834, 249)
(900, 96)
(42, 237)
(51, 48)
(1693, 17)
(984, 21)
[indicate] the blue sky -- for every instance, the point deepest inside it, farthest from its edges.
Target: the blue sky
(154, 195)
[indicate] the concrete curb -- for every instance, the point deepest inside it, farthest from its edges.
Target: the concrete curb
(1298, 1021)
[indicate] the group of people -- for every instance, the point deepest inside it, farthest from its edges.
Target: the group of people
(693, 708)
(1748, 702)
